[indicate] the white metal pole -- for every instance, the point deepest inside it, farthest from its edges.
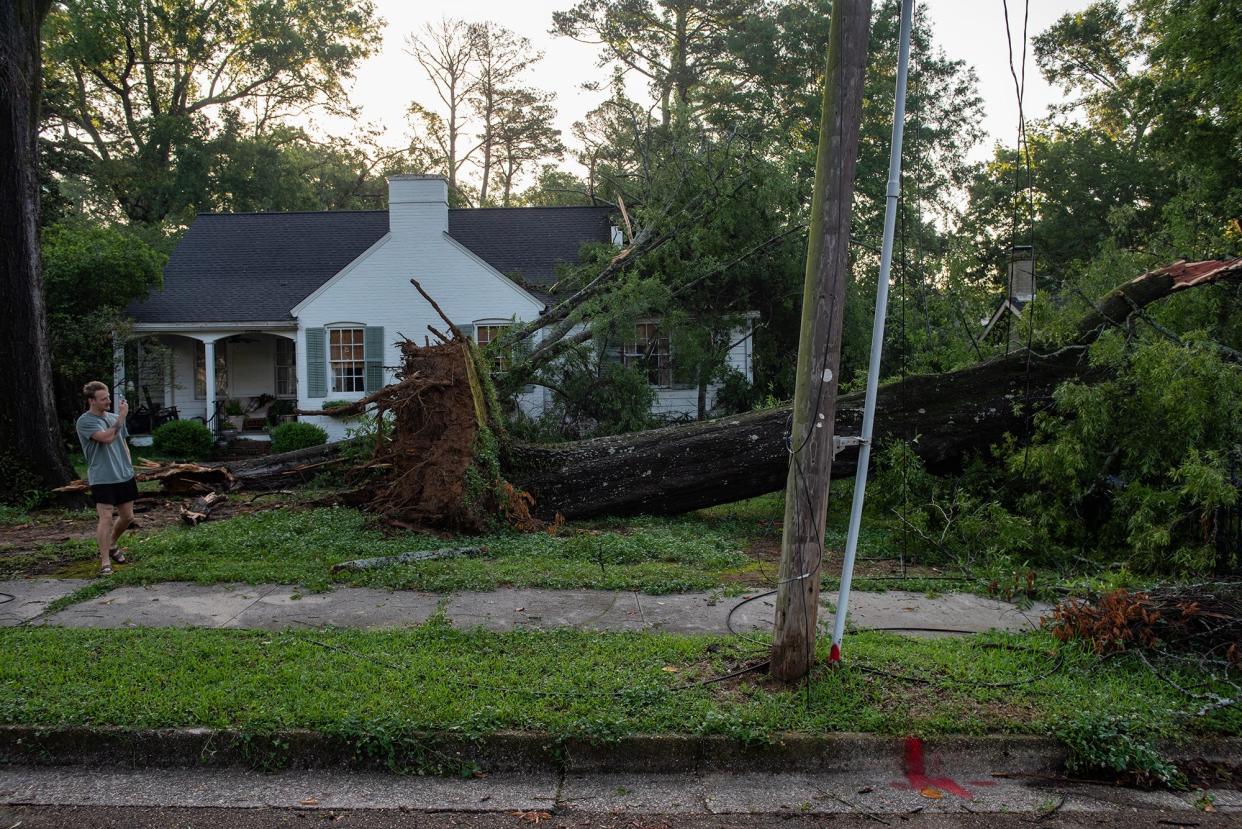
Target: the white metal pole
(877, 330)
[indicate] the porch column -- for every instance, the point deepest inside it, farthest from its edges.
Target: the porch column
(209, 365)
(170, 382)
(118, 371)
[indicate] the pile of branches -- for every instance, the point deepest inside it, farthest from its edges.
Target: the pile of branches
(1203, 620)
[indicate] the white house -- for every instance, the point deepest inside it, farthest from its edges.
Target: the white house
(309, 307)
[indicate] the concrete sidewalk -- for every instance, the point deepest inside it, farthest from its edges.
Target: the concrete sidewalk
(275, 607)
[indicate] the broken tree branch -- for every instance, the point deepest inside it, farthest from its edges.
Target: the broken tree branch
(360, 564)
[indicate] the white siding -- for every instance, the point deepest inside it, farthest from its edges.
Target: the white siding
(671, 401)
(183, 378)
(252, 365)
(376, 290)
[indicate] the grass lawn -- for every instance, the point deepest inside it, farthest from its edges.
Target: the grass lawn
(568, 683)
(733, 548)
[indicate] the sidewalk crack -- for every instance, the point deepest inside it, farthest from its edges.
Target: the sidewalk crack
(262, 595)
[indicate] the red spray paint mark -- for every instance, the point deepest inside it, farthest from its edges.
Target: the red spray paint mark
(834, 655)
(916, 773)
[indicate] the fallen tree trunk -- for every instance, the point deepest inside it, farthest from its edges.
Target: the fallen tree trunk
(953, 415)
(679, 468)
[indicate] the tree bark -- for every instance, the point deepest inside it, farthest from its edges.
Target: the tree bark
(679, 468)
(30, 441)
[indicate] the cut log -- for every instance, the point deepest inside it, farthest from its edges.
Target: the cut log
(176, 478)
(287, 468)
(360, 564)
(200, 508)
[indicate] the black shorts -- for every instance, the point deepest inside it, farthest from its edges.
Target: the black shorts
(123, 493)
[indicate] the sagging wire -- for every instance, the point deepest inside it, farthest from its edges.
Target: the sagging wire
(1022, 157)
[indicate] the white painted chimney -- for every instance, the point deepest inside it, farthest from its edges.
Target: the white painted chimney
(1022, 273)
(417, 205)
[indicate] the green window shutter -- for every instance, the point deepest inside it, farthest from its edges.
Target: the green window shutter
(373, 351)
(316, 364)
(467, 329)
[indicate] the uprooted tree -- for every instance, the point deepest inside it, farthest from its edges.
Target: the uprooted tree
(441, 456)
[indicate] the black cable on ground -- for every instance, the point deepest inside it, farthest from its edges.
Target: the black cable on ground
(1056, 656)
(1057, 662)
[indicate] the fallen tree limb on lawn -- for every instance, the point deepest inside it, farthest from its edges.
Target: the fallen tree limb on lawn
(360, 564)
(200, 508)
(175, 478)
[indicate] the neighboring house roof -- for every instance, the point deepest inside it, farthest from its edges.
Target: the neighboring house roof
(251, 267)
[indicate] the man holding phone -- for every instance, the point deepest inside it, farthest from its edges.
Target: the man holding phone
(110, 470)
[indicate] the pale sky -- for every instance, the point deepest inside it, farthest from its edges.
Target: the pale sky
(972, 30)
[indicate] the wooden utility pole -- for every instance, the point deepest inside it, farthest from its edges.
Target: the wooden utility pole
(819, 347)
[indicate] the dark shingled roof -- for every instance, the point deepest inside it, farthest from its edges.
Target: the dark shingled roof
(255, 267)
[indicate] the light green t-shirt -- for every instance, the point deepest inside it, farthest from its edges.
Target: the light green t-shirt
(106, 463)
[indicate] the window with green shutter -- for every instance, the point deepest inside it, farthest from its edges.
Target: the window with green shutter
(374, 358)
(316, 367)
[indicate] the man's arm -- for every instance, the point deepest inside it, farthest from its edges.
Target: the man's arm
(108, 435)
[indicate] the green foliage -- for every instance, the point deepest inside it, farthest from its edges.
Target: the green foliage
(374, 688)
(146, 148)
(1103, 742)
(593, 397)
(295, 435)
(736, 393)
(183, 439)
(953, 521)
(280, 408)
(20, 489)
(1138, 462)
(90, 274)
(329, 405)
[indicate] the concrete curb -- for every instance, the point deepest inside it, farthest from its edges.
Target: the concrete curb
(450, 753)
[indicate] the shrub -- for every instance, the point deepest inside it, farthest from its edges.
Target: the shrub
(736, 394)
(187, 439)
(1109, 743)
(289, 436)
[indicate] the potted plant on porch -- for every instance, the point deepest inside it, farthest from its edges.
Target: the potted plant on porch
(235, 414)
(281, 411)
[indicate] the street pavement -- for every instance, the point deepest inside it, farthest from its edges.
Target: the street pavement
(875, 794)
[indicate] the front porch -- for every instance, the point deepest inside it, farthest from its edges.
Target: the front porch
(238, 382)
